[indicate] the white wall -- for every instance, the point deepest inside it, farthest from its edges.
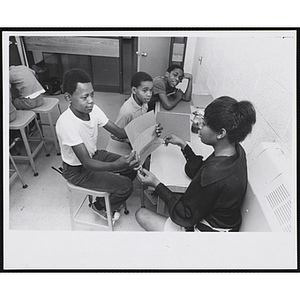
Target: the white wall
(259, 67)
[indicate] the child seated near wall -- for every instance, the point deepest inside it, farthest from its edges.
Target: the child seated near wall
(27, 92)
(137, 104)
(214, 196)
(165, 91)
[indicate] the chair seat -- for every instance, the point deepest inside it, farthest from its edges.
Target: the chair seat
(47, 106)
(24, 117)
(86, 191)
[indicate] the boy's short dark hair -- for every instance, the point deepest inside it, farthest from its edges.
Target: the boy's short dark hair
(173, 67)
(139, 77)
(234, 116)
(72, 77)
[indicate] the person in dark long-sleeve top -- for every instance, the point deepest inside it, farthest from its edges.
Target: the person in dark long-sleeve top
(213, 199)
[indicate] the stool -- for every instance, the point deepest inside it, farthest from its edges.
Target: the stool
(46, 108)
(91, 194)
(16, 171)
(24, 117)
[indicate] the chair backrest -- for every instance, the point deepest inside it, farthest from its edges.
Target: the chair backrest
(269, 204)
(59, 170)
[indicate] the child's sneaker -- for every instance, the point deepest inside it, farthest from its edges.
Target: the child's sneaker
(116, 215)
(99, 212)
(102, 213)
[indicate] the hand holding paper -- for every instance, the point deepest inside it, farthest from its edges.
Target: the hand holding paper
(143, 134)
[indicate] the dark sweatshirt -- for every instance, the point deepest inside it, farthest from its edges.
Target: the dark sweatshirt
(215, 193)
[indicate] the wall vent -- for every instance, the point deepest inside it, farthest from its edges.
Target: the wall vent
(280, 202)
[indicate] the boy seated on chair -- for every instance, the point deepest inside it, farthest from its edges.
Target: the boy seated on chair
(137, 104)
(27, 92)
(83, 164)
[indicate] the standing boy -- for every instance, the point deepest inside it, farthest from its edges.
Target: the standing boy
(83, 164)
(137, 104)
(165, 91)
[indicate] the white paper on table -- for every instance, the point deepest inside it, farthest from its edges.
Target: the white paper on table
(142, 135)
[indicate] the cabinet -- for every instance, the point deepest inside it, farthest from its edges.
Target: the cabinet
(101, 57)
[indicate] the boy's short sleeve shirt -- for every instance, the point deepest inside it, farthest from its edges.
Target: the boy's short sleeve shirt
(159, 86)
(130, 110)
(72, 131)
(23, 79)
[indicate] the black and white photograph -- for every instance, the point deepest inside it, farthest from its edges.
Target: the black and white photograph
(149, 149)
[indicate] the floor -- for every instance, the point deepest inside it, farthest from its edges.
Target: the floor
(44, 204)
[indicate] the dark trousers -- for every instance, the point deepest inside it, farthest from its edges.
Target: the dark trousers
(118, 185)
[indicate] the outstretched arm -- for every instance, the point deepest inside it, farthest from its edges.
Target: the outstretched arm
(115, 130)
(125, 162)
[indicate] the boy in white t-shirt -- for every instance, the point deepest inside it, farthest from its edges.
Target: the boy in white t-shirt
(83, 164)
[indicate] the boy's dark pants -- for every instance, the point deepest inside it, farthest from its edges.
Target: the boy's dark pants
(118, 185)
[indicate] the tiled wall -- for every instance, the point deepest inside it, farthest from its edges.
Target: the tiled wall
(259, 68)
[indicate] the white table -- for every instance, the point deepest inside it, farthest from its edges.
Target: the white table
(167, 164)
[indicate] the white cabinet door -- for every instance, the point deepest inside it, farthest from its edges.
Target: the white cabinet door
(153, 55)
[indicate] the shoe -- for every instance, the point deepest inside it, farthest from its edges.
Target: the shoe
(102, 213)
(116, 215)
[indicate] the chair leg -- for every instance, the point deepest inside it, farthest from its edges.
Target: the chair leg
(28, 150)
(79, 207)
(18, 172)
(42, 137)
(108, 213)
(53, 134)
(71, 209)
(126, 211)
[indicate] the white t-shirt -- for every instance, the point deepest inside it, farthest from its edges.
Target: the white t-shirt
(72, 131)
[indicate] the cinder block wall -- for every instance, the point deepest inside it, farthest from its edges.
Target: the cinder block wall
(259, 67)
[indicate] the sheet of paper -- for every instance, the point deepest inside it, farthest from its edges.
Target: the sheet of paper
(140, 124)
(142, 136)
(179, 124)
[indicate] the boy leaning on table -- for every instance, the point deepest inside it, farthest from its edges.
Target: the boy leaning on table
(165, 91)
